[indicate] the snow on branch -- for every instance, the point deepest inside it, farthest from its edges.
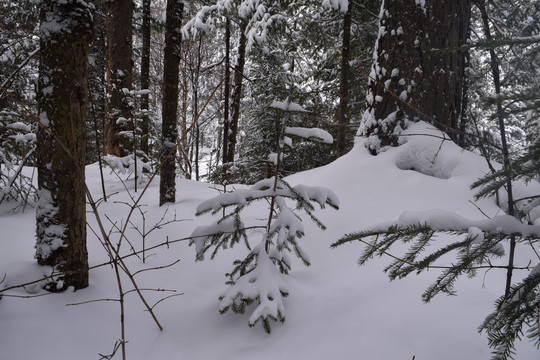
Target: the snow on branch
(287, 106)
(315, 134)
(262, 283)
(203, 22)
(223, 233)
(342, 5)
(263, 189)
(442, 220)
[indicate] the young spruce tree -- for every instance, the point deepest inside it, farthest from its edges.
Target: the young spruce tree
(258, 278)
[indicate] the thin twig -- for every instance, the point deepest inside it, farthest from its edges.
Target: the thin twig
(91, 301)
(157, 267)
(476, 206)
(165, 298)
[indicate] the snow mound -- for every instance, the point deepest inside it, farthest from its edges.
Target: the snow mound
(426, 151)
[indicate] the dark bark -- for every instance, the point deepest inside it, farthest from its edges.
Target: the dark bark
(169, 136)
(418, 69)
(96, 86)
(196, 77)
(119, 74)
(237, 95)
(145, 74)
(227, 90)
(343, 120)
(62, 99)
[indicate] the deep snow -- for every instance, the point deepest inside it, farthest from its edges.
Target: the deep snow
(335, 308)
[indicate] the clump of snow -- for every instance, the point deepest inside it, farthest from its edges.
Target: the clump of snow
(287, 106)
(129, 165)
(311, 133)
(262, 283)
(449, 221)
(342, 5)
(423, 152)
(51, 236)
(422, 4)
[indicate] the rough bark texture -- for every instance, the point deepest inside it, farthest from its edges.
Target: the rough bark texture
(119, 73)
(237, 95)
(171, 62)
(65, 31)
(145, 73)
(418, 68)
(343, 120)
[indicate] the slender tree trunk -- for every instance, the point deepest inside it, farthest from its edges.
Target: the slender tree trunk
(145, 74)
(237, 95)
(343, 120)
(119, 74)
(227, 91)
(196, 78)
(464, 118)
(62, 99)
(494, 63)
(171, 62)
(418, 69)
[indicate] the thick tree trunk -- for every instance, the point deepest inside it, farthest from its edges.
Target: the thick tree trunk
(171, 62)
(119, 74)
(145, 74)
(62, 98)
(343, 120)
(237, 95)
(418, 69)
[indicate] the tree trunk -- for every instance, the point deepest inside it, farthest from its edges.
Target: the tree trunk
(145, 74)
(226, 90)
(237, 95)
(119, 74)
(62, 99)
(418, 69)
(96, 86)
(494, 64)
(171, 62)
(343, 120)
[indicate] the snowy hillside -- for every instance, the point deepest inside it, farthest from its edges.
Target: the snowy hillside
(335, 310)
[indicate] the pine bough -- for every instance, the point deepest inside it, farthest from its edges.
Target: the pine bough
(483, 240)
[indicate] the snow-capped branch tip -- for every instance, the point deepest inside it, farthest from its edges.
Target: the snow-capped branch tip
(314, 134)
(341, 5)
(287, 106)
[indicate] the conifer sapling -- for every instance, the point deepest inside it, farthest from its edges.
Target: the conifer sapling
(260, 277)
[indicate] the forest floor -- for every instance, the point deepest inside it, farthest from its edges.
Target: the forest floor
(335, 309)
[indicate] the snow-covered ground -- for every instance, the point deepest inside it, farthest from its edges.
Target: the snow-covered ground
(335, 310)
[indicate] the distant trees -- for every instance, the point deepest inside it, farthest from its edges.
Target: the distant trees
(65, 32)
(119, 74)
(19, 57)
(146, 33)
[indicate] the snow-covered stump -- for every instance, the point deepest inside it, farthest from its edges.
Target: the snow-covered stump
(259, 277)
